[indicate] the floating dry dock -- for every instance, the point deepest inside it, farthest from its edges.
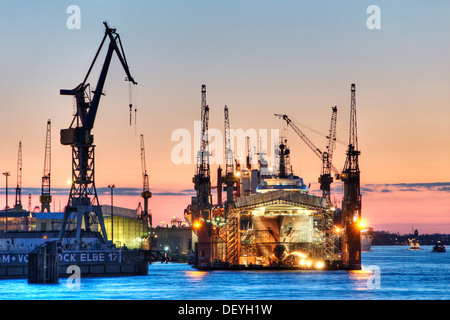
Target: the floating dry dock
(276, 230)
(270, 219)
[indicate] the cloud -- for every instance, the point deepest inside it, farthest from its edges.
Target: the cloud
(407, 187)
(185, 192)
(337, 188)
(138, 191)
(106, 191)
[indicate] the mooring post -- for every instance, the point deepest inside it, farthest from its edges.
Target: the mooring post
(43, 264)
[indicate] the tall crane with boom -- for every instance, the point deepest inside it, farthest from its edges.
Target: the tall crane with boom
(325, 178)
(83, 202)
(230, 179)
(351, 204)
(45, 197)
(18, 203)
(146, 194)
(202, 178)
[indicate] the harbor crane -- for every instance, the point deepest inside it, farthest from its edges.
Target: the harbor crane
(202, 178)
(230, 178)
(325, 178)
(45, 197)
(83, 202)
(146, 194)
(18, 203)
(351, 204)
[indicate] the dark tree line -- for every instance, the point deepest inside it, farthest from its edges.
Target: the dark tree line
(386, 238)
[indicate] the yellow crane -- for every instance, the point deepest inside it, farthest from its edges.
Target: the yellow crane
(146, 194)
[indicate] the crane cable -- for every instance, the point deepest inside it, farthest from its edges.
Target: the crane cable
(132, 97)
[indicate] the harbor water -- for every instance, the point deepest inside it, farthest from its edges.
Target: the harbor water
(389, 273)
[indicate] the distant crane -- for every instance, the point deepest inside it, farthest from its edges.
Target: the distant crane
(83, 201)
(146, 194)
(45, 197)
(230, 179)
(325, 178)
(18, 204)
(229, 161)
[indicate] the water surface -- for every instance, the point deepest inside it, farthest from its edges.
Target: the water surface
(390, 272)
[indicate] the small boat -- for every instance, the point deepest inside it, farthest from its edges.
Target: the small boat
(439, 247)
(366, 239)
(414, 242)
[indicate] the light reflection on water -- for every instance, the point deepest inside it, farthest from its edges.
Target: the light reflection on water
(360, 278)
(403, 275)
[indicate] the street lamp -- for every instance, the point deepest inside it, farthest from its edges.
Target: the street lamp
(112, 186)
(6, 174)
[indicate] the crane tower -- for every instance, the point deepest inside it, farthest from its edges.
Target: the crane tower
(18, 204)
(45, 197)
(202, 179)
(146, 194)
(326, 178)
(230, 179)
(351, 204)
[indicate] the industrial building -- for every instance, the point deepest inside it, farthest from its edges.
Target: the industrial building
(127, 229)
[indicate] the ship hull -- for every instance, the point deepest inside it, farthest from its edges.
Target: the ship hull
(281, 240)
(273, 230)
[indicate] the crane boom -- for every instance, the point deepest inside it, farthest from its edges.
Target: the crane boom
(308, 142)
(87, 110)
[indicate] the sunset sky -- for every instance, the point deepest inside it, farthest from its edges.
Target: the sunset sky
(257, 57)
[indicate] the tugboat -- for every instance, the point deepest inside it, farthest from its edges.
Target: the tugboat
(414, 242)
(366, 239)
(439, 247)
